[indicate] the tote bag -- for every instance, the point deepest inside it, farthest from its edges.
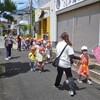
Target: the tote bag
(55, 63)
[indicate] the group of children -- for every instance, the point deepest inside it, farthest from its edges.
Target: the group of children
(40, 53)
(24, 43)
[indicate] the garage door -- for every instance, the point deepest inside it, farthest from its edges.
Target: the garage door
(82, 25)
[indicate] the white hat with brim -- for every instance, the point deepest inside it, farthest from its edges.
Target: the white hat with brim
(84, 48)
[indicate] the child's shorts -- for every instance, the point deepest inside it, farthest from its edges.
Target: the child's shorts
(83, 71)
(40, 64)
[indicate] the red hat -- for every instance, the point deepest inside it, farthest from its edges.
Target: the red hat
(48, 45)
(33, 48)
(49, 41)
(41, 49)
(39, 40)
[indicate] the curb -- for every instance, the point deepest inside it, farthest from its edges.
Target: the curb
(2, 47)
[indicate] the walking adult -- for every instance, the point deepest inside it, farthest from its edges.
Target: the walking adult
(9, 39)
(19, 42)
(65, 62)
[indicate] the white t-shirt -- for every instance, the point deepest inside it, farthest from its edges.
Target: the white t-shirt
(64, 58)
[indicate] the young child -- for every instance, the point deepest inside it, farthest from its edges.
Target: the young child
(32, 57)
(83, 69)
(48, 51)
(23, 44)
(27, 42)
(40, 58)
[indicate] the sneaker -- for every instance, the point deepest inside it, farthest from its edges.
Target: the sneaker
(6, 58)
(46, 62)
(9, 57)
(40, 71)
(71, 93)
(79, 81)
(66, 81)
(54, 86)
(31, 69)
(57, 86)
(34, 70)
(89, 82)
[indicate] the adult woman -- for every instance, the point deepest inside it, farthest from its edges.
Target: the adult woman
(65, 62)
(8, 44)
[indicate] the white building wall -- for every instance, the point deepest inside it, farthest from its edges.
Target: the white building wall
(50, 9)
(53, 22)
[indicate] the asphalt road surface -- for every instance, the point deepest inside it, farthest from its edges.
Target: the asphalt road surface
(19, 83)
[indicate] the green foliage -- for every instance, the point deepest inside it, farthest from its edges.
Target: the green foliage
(4, 33)
(28, 35)
(9, 17)
(2, 25)
(8, 5)
(25, 28)
(1, 7)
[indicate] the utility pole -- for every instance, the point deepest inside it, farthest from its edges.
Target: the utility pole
(31, 25)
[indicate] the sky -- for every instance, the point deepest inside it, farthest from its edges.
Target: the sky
(24, 3)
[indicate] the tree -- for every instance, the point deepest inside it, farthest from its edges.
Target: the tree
(1, 7)
(25, 28)
(8, 5)
(8, 16)
(2, 26)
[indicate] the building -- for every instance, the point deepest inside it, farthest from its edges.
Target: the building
(81, 19)
(45, 19)
(22, 17)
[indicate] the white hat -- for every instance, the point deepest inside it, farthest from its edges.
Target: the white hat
(44, 41)
(84, 48)
(26, 38)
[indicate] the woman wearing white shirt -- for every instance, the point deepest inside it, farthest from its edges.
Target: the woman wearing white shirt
(65, 62)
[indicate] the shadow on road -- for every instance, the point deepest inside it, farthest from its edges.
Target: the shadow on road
(14, 68)
(66, 87)
(15, 57)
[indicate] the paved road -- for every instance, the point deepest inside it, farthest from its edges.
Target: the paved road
(19, 83)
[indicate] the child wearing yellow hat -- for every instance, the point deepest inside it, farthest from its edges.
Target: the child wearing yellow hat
(32, 58)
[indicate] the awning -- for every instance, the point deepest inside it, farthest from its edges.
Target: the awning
(23, 22)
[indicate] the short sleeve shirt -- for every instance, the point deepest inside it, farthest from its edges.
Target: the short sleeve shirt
(64, 59)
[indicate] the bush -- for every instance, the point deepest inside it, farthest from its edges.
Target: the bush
(4, 33)
(28, 35)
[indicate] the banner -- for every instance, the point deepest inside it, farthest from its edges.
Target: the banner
(96, 52)
(61, 4)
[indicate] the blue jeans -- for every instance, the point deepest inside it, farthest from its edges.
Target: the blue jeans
(33, 64)
(19, 45)
(8, 50)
